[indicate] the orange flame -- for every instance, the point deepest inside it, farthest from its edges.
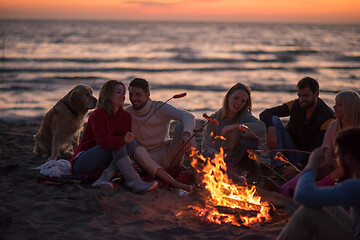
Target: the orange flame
(225, 193)
(252, 155)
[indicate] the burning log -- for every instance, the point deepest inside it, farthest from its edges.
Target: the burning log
(237, 211)
(227, 202)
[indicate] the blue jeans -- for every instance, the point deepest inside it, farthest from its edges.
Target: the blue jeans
(322, 223)
(96, 158)
(284, 141)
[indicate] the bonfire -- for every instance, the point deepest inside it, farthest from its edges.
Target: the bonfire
(227, 202)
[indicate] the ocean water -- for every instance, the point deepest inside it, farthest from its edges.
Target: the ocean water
(42, 60)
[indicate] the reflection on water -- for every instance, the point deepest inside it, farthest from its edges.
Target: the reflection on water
(43, 60)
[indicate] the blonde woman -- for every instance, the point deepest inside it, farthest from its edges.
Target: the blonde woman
(236, 110)
(347, 113)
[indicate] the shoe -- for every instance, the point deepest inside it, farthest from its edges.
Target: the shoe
(103, 185)
(140, 187)
(272, 185)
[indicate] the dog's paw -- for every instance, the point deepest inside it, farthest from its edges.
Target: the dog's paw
(67, 155)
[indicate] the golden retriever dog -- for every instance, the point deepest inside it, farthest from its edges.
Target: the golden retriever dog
(60, 129)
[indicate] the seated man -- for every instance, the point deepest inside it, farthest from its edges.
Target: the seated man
(156, 153)
(321, 215)
(309, 118)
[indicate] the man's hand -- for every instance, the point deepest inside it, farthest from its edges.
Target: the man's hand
(316, 158)
(185, 137)
(271, 141)
(128, 137)
(289, 172)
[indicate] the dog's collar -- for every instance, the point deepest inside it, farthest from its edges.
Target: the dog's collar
(69, 107)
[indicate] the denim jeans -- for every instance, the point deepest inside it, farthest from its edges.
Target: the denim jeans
(284, 141)
(323, 223)
(96, 158)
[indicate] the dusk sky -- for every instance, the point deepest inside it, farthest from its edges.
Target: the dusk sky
(330, 11)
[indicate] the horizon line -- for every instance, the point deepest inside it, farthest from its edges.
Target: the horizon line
(179, 21)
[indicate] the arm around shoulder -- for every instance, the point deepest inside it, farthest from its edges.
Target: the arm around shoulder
(186, 118)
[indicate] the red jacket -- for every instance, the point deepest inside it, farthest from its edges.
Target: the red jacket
(104, 130)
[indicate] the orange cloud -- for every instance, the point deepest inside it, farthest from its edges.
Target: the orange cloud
(188, 10)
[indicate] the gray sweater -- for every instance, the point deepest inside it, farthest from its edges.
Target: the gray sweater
(211, 143)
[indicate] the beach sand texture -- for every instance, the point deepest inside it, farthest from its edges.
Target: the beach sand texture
(30, 210)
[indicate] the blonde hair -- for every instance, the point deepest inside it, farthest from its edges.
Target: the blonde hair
(350, 101)
(225, 106)
(106, 92)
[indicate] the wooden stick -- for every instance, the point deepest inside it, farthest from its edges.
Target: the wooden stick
(209, 119)
(173, 97)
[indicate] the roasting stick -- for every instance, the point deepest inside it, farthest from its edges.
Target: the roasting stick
(209, 119)
(181, 95)
(253, 156)
(279, 155)
(173, 97)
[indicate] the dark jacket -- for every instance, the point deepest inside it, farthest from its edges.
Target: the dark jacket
(307, 134)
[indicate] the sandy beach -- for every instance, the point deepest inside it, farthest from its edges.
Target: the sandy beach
(75, 210)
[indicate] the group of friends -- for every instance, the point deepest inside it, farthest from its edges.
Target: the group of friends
(330, 177)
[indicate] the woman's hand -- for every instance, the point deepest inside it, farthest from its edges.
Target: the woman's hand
(316, 158)
(129, 136)
(229, 128)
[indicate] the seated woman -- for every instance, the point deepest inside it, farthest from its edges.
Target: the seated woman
(347, 114)
(107, 142)
(236, 110)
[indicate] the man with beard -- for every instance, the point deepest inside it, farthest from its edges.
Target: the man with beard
(309, 119)
(157, 153)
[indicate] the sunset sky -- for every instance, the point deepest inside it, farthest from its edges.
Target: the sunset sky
(330, 11)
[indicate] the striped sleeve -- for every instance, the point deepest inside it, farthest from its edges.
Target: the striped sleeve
(325, 125)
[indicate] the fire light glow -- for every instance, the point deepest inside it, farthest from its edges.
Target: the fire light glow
(242, 202)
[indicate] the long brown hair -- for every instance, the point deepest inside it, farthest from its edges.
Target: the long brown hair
(247, 106)
(350, 101)
(106, 92)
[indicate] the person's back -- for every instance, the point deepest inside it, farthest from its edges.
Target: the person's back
(321, 214)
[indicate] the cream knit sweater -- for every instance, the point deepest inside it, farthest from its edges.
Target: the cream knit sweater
(155, 132)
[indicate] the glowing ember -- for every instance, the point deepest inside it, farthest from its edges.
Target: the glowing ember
(246, 207)
(281, 157)
(252, 155)
(243, 127)
(220, 137)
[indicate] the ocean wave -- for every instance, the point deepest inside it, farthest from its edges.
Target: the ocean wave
(16, 88)
(171, 69)
(128, 69)
(345, 58)
(210, 88)
(22, 108)
(251, 56)
(175, 59)
(293, 52)
(284, 88)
